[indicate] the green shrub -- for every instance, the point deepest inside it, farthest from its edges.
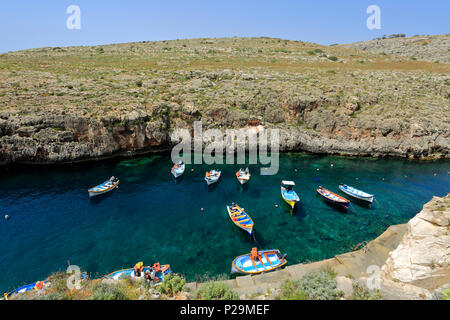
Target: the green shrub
(216, 291)
(333, 58)
(172, 284)
(55, 296)
(139, 83)
(319, 285)
(361, 293)
(446, 294)
(290, 291)
(106, 291)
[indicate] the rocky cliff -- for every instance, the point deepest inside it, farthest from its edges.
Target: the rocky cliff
(422, 259)
(81, 103)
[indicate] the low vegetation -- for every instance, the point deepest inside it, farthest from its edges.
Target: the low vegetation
(215, 291)
(318, 285)
(172, 285)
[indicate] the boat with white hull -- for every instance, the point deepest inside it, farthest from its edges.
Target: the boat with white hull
(355, 193)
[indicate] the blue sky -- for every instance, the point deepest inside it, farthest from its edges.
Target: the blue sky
(33, 24)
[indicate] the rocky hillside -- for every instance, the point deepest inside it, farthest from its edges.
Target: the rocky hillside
(79, 103)
(428, 48)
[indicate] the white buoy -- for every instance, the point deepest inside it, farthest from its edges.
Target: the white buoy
(435, 174)
(192, 169)
(276, 206)
(332, 165)
(202, 209)
(6, 217)
(317, 169)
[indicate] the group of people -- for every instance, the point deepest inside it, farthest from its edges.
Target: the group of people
(149, 274)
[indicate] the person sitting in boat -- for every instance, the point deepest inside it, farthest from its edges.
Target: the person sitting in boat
(153, 274)
(138, 269)
(147, 276)
(255, 254)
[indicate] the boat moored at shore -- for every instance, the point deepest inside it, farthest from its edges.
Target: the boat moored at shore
(258, 261)
(156, 272)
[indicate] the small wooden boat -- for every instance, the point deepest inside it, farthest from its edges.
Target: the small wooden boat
(212, 176)
(355, 193)
(105, 187)
(240, 218)
(243, 176)
(258, 261)
(138, 272)
(288, 194)
(333, 198)
(178, 169)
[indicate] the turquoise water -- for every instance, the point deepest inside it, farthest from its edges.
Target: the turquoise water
(153, 218)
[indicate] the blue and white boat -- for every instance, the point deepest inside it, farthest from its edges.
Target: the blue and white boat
(212, 176)
(33, 286)
(178, 169)
(355, 193)
(160, 271)
(258, 261)
(240, 218)
(243, 176)
(104, 187)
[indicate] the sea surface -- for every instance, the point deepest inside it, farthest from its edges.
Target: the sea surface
(152, 217)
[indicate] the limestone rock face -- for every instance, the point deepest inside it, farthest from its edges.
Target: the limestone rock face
(423, 256)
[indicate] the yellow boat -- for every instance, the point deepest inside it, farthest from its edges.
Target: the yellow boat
(288, 194)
